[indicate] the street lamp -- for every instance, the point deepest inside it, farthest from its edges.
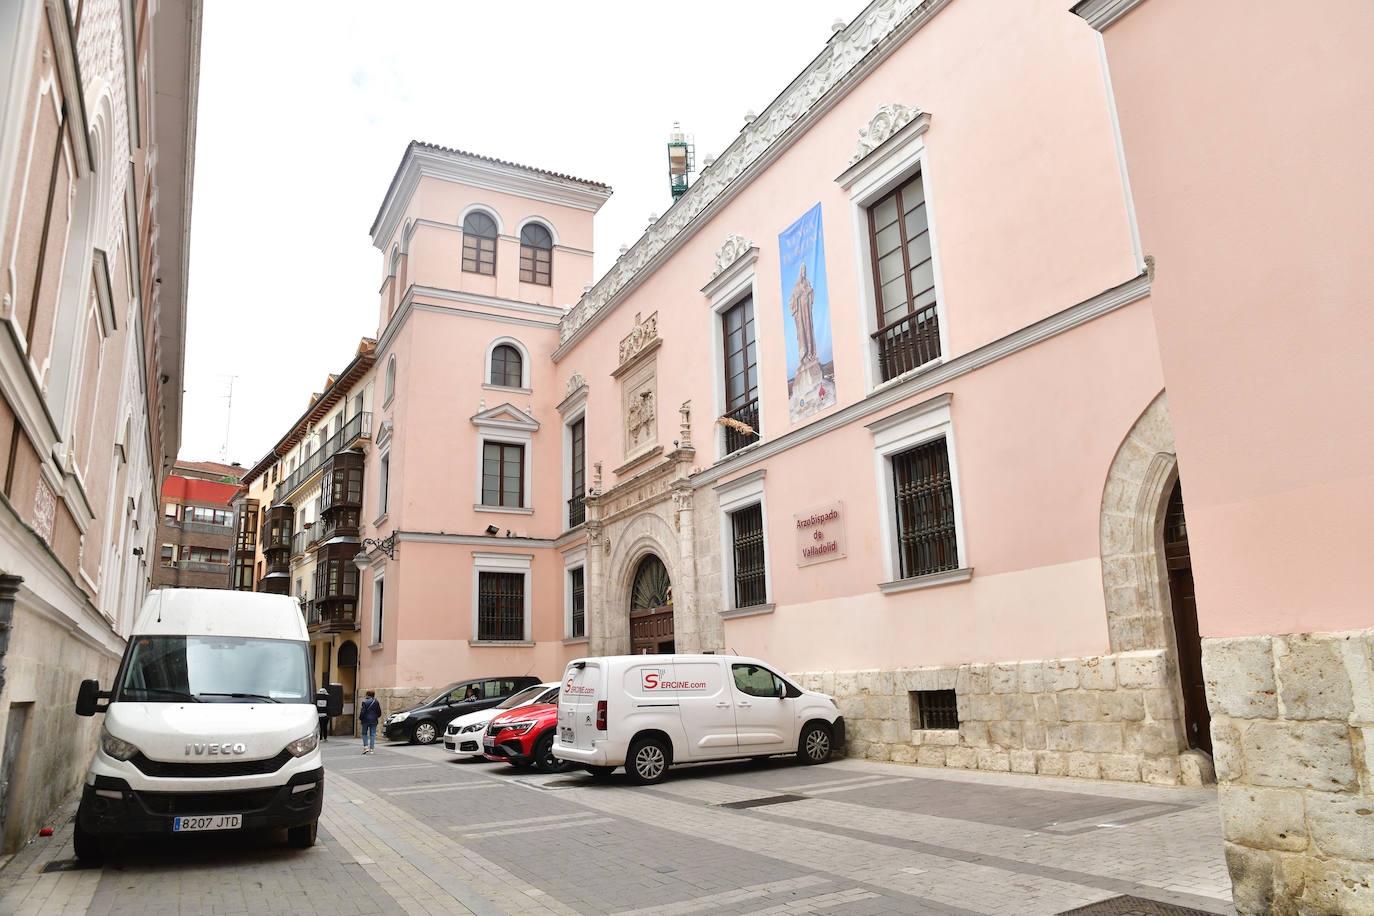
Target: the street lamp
(386, 545)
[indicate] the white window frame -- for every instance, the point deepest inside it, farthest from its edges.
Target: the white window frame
(878, 174)
(522, 563)
(724, 292)
(737, 494)
(378, 605)
(524, 366)
(383, 484)
(508, 432)
(575, 559)
(892, 435)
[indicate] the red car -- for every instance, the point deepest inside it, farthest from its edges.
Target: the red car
(524, 736)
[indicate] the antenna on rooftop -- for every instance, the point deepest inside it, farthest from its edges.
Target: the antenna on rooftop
(228, 414)
(681, 160)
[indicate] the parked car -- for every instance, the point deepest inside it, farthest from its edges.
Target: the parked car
(648, 712)
(464, 734)
(423, 723)
(524, 736)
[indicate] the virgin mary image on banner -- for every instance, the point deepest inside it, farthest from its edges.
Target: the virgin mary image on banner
(806, 318)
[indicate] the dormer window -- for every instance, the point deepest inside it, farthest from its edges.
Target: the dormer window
(479, 244)
(536, 255)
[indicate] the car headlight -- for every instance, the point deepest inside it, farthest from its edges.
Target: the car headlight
(302, 746)
(117, 748)
(397, 717)
(517, 728)
(474, 727)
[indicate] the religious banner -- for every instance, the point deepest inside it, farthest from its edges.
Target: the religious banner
(806, 320)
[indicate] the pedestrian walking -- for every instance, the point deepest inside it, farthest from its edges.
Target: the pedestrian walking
(369, 714)
(322, 704)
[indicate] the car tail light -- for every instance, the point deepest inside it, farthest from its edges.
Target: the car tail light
(601, 715)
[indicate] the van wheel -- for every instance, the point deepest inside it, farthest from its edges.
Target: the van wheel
(88, 847)
(424, 733)
(648, 761)
(302, 837)
(814, 746)
(599, 772)
(544, 760)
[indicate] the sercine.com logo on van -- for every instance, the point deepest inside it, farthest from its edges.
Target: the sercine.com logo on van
(653, 679)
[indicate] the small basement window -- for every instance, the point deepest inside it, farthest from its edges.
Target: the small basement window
(934, 709)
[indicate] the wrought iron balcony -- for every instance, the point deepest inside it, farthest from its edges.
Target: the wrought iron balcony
(577, 511)
(909, 342)
(359, 427)
(748, 414)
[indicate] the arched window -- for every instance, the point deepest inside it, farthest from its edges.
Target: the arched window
(536, 255)
(506, 369)
(479, 244)
(390, 379)
(652, 587)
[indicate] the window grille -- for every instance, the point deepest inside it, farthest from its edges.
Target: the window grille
(908, 332)
(577, 441)
(924, 492)
(934, 709)
(579, 602)
(500, 605)
(750, 586)
(479, 244)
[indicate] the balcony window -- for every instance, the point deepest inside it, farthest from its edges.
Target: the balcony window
(577, 484)
(908, 332)
(741, 376)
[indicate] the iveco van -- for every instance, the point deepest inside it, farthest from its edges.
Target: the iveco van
(649, 712)
(210, 723)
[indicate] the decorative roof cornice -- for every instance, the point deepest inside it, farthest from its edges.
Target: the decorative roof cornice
(835, 70)
(423, 159)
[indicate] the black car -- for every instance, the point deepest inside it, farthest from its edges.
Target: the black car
(423, 723)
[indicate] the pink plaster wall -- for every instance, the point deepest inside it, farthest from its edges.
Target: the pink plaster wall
(1249, 155)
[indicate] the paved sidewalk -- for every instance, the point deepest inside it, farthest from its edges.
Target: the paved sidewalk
(412, 829)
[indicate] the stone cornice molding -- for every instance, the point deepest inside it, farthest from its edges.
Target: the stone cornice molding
(884, 124)
(421, 161)
(845, 61)
(1101, 13)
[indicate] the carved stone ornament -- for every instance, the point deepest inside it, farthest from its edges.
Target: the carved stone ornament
(645, 332)
(685, 437)
(575, 381)
(886, 121)
(735, 245)
(841, 55)
(44, 510)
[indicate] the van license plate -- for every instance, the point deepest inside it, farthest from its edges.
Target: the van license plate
(567, 736)
(207, 822)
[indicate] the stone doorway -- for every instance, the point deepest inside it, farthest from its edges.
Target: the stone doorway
(1196, 720)
(651, 608)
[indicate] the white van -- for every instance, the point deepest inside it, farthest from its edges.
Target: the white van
(648, 712)
(210, 723)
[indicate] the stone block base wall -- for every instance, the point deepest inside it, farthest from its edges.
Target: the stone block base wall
(1293, 731)
(1102, 717)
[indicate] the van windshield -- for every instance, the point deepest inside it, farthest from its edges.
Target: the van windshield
(215, 669)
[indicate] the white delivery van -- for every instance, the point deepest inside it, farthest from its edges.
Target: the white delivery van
(210, 723)
(649, 712)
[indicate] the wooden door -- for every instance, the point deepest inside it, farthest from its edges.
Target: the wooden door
(1196, 720)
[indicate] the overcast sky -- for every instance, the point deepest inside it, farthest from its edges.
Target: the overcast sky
(305, 110)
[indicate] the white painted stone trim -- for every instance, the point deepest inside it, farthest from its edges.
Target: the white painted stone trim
(927, 581)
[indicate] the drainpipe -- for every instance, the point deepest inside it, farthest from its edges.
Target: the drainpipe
(9, 588)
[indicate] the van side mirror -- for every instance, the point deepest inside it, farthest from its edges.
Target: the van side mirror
(88, 697)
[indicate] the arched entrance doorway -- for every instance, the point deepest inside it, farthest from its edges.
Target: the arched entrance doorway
(651, 608)
(1196, 721)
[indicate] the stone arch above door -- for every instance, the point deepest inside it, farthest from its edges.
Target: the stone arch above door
(1134, 580)
(632, 539)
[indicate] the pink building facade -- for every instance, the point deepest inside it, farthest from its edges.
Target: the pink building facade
(903, 395)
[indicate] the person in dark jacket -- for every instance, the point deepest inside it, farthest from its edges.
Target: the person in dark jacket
(322, 704)
(369, 714)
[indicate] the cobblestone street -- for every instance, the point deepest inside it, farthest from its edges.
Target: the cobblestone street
(412, 829)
